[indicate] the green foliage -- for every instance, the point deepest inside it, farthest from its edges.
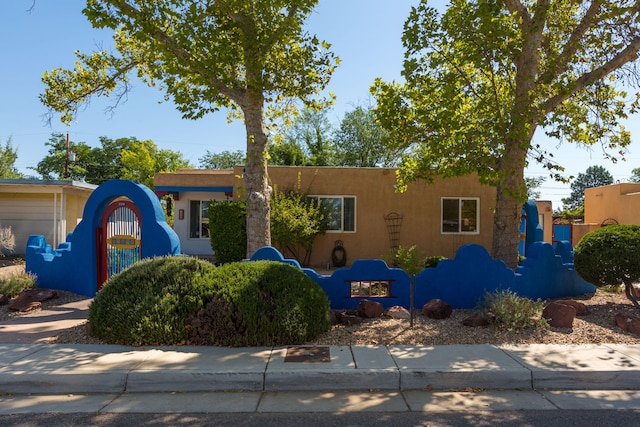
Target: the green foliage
(227, 231)
(8, 157)
(295, 222)
(288, 153)
(484, 76)
(594, 176)
(512, 312)
(609, 256)
(432, 261)
(224, 160)
(11, 286)
(262, 303)
(311, 132)
(123, 158)
(360, 141)
(410, 259)
(147, 303)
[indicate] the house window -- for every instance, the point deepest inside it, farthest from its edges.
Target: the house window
(199, 219)
(460, 215)
(342, 211)
(370, 288)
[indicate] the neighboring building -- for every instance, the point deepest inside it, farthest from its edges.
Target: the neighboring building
(45, 207)
(608, 204)
(369, 216)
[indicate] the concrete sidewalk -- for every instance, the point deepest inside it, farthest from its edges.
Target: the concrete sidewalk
(63, 369)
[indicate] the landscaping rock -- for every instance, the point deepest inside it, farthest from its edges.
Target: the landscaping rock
(628, 323)
(31, 299)
(398, 312)
(559, 315)
(581, 309)
(350, 319)
(370, 309)
(437, 309)
(4, 300)
(476, 320)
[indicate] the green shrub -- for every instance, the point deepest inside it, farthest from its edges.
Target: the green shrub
(13, 285)
(432, 261)
(512, 312)
(178, 300)
(295, 222)
(609, 256)
(261, 303)
(409, 259)
(148, 302)
(228, 231)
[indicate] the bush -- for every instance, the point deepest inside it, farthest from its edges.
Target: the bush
(178, 300)
(228, 231)
(512, 312)
(148, 302)
(432, 261)
(608, 257)
(261, 303)
(13, 285)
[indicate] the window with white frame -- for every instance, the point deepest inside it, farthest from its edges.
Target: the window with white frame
(199, 219)
(342, 211)
(460, 215)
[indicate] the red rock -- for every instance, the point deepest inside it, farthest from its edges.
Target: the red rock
(31, 299)
(4, 300)
(628, 323)
(350, 319)
(370, 309)
(559, 315)
(581, 309)
(476, 320)
(398, 312)
(437, 309)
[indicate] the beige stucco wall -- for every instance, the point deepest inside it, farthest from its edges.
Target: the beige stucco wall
(545, 214)
(620, 202)
(374, 190)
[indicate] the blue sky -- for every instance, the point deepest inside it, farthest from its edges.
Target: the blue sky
(365, 34)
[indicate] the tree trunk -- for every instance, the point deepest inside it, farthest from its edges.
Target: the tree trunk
(256, 179)
(511, 192)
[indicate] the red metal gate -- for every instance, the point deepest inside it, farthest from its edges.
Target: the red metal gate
(119, 239)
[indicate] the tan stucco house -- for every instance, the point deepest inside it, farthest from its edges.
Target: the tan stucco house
(369, 216)
(51, 208)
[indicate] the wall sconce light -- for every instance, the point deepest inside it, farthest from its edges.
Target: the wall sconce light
(180, 213)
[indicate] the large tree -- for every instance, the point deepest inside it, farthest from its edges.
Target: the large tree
(594, 176)
(250, 56)
(224, 160)
(483, 77)
(360, 141)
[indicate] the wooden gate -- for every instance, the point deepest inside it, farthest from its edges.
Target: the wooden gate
(119, 239)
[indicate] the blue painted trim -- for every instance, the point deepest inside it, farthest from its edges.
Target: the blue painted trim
(201, 189)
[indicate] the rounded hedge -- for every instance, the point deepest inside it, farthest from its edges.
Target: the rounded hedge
(146, 304)
(261, 303)
(609, 256)
(182, 300)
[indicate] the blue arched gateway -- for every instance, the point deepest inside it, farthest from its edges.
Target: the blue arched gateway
(122, 222)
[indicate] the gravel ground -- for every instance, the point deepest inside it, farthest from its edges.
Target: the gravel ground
(598, 327)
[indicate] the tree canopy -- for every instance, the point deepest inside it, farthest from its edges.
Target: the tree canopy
(224, 160)
(483, 77)
(594, 176)
(123, 158)
(251, 57)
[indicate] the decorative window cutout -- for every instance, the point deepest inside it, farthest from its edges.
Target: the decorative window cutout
(370, 288)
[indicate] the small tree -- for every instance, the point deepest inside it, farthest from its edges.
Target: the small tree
(608, 257)
(295, 223)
